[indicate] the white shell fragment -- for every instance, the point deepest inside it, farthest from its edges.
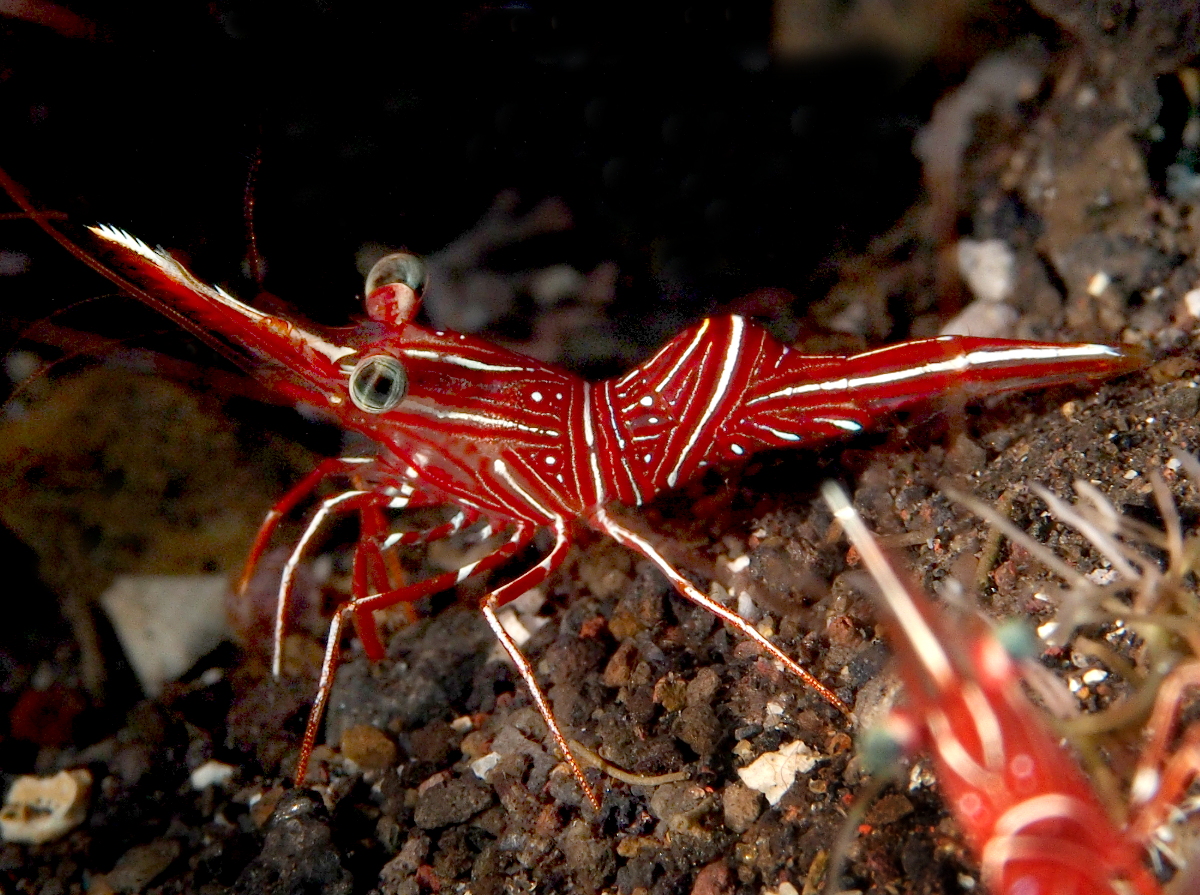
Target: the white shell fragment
(40, 809)
(166, 623)
(988, 266)
(1191, 301)
(773, 773)
(481, 767)
(212, 773)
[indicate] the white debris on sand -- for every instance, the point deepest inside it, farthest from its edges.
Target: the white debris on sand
(41, 809)
(773, 773)
(166, 623)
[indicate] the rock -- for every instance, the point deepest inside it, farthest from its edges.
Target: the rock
(368, 747)
(742, 806)
(450, 803)
(698, 726)
(679, 806)
(166, 623)
(141, 865)
(298, 854)
(715, 879)
(590, 860)
(434, 742)
(889, 809)
(988, 266)
(40, 809)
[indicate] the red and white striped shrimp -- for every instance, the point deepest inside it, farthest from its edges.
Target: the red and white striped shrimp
(527, 447)
(1031, 816)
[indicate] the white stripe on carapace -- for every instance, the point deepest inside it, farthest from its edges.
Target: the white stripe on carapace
(644, 401)
(732, 351)
(1048, 806)
(461, 361)
(987, 726)
(614, 428)
(316, 343)
(951, 750)
(843, 424)
(662, 383)
(786, 436)
(924, 642)
(637, 372)
(982, 358)
(490, 422)
(502, 471)
(590, 437)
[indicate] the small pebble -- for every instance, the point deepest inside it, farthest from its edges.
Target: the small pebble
(450, 803)
(41, 809)
(889, 809)
(1191, 300)
(742, 806)
(619, 670)
(141, 865)
(1098, 283)
(368, 747)
(679, 805)
(212, 773)
(434, 743)
(715, 879)
(785, 888)
(481, 767)
(671, 693)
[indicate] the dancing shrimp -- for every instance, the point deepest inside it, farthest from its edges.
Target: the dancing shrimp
(526, 447)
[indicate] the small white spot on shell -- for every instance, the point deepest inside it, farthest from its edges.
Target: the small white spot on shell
(737, 449)
(1022, 766)
(551, 460)
(646, 401)
(537, 396)
(970, 804)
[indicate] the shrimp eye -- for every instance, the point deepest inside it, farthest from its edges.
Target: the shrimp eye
(378, 383)
(398, 267)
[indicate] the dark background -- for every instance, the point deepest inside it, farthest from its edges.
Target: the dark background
(690, 149)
